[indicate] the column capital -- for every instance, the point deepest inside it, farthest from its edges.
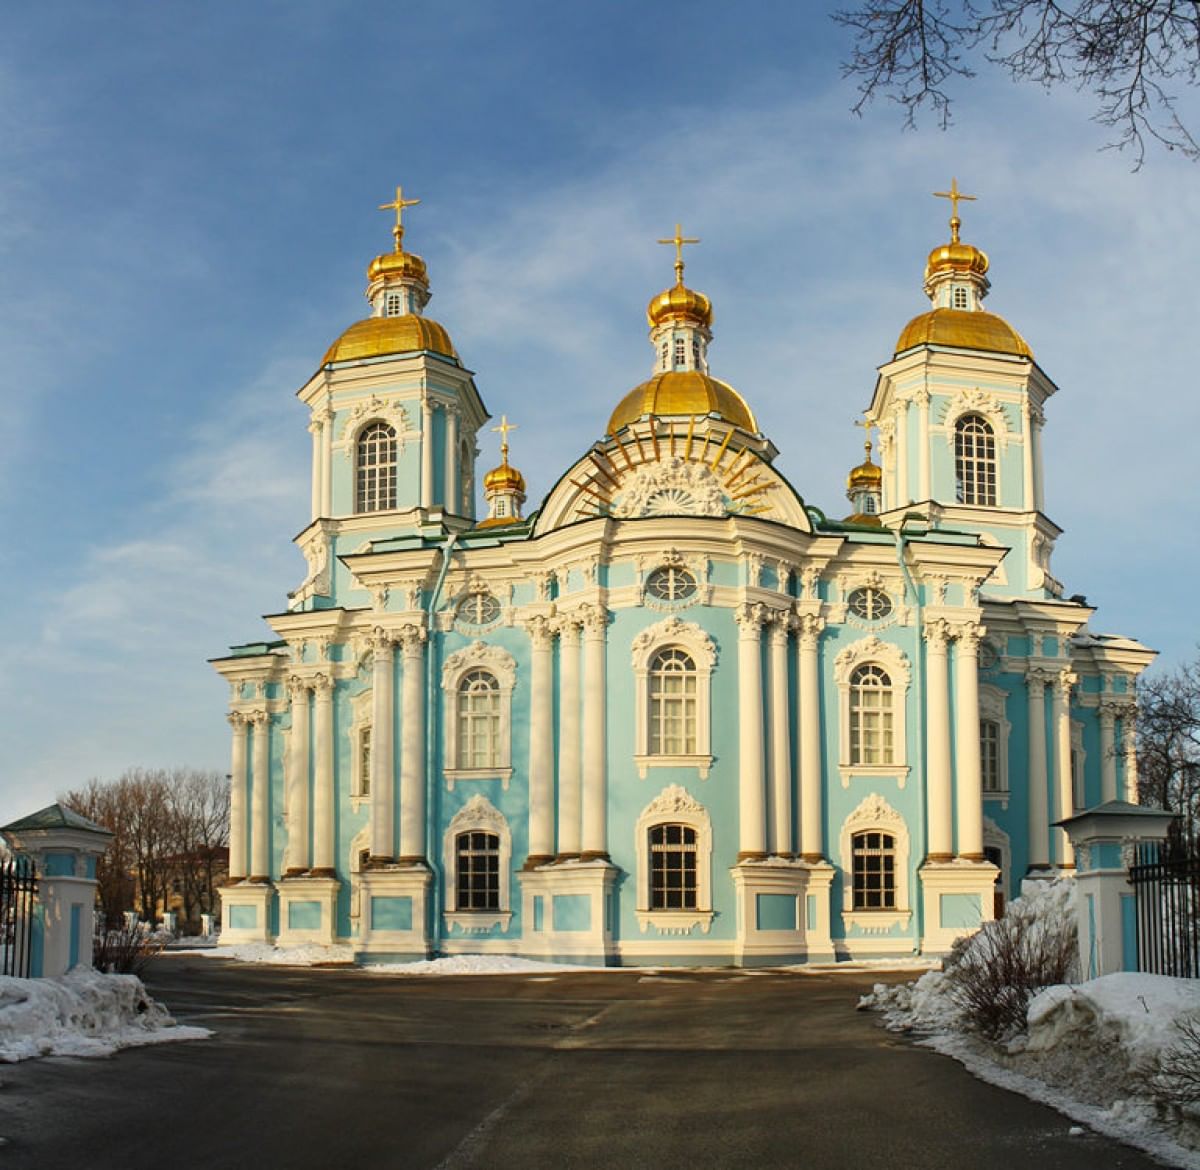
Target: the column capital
(780, 621)
(937, 634)
(259, 718)
(594, 619)
(750, 617)
(322, 685)
(809, 627)
(541, 630)
(567, 627)
(237, 720)
(381, 641)
(411, 638)
(1064, 680)
(1039, 676)
(920, 396)
(968, 635)
(297, 686)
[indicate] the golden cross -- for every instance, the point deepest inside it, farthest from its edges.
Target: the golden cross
(504, 427)
(398, 205)
(868, 425)
(679, 239)
(954, 195)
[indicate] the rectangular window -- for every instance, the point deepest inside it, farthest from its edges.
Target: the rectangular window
(673, 881)
(478, 871)
(364, 763)
(874, 871)
(989, 755)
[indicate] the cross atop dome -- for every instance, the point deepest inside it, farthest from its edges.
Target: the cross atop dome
(398, 205)
(954, 195)
(679, 240)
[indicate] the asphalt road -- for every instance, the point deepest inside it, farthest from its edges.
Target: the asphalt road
(339, 1068)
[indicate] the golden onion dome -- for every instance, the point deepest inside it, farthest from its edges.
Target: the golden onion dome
(956, 257)
(377, 336)
(865, 475)
(504, 478)
(679, 303)
(398, 265)
(683, 393)
(963, 329)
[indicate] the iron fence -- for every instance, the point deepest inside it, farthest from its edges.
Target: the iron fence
(1166, 883)
(18, 884)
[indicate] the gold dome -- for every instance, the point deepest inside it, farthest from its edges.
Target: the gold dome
(679, 303)
(865, 475)
(377, 336)
(956, 257)
(397, 265)
(683, 393)
(504, 478)
(868, 519)
(963, 329)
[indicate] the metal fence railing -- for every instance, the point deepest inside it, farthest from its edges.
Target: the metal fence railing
(18, 884)
(1166, 883)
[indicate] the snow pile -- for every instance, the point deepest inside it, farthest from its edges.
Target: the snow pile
(480, 965)
(309, 955)
(82, 1013)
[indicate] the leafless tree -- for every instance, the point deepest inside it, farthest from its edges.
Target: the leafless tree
(1168, 746)
(1133, 55)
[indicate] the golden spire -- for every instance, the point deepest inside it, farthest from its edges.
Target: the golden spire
(679, 239)
(504, 427)
(398, 205)
(954, 195)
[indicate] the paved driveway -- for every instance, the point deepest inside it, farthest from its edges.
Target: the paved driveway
(338, 1068)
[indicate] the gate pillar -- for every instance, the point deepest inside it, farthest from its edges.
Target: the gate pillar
(1104, 839)
(64, 847)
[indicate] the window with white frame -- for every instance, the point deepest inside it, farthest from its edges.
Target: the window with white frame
(671, 583)
(364, 762)
(477, 683)
(375, 468)
(874, 848)
(960, 298)
(666, 353)
(994, 729)
(989, 755)
(1078, 760)
(872, 678)
(975, 461)
(393, 305)
(680, 351)
(672, 663)
(477, 855)
(360, 747)
(674, 859)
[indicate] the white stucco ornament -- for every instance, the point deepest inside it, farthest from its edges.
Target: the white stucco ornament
(671, 487)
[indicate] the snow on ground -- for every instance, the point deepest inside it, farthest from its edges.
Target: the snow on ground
(82, 1013)
(1090, 1050)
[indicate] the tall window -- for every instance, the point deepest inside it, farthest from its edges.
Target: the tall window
(989, 755)
(672, 703)
(975, 461)
(393, 306)
(477, 871)
(872, 739)
(960, 298)
(666, 353)
(680, 351)
(673, 879)
(479, 720)
(874, 876)
(376, 451)
(364, 762)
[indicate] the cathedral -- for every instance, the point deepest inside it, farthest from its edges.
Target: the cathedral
(674, 713)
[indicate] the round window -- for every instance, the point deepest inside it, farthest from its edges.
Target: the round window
(671, 584)
(872, 604)
(479, 609)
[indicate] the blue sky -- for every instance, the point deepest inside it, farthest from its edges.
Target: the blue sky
(188, 203)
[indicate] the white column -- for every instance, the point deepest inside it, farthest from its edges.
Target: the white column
(969, 789)
(569, 793)
(922, 399)
(426, 454)
(1129, 743)
(541, 743)
(902, 493)
(938, 793)
(781, 740)
(451, 500)
(812, 837)
(296, 859)
(1039, 480)
(238, 868)
(260, 862)
(1108, 750)
(326, 419)
(1063, 786)
(1027, 454)
(1039, 801)
(314, 428)
(323, 849)
(595, 723)
(383, 773)
(412, 747)
(752, 835)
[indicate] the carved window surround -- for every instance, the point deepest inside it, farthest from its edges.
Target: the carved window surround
(893, 660)
(675, 806)
(874, 813)
(498, 662)
(478, 814)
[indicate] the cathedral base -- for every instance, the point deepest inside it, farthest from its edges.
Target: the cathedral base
(307, 910)
(395, 914)
(246, 913)
(568, 911)
(957, 897)
(782, 912)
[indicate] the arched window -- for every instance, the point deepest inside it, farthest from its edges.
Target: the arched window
(393, 306)
(477, 871)
(673, 691)
(960, 298)
(975, 461)
(478, 720)
(376, 468)
(673, 875)
(872, 733)
(874, 873)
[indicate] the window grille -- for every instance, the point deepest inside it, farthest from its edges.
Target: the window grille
(672, 703)
(874, 878)
(960, 298)
(394, 305)
(975, 461)
(479, 609)
(479, 720)
(673, 878)
(989, 755)
(872, 738)
(376, 462)
(477, 871)
(671, 584)
(680, 351)
(364, 762)
(872, 604)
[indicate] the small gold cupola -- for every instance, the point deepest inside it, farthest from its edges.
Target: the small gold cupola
(864, 489)
(680, 385)
(503, 486)
(398, 289)
(956, 284)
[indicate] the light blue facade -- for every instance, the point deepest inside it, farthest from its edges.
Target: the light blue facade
(357, 800)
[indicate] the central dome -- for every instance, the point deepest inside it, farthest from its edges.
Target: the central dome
(378, 336)
(683, 393)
